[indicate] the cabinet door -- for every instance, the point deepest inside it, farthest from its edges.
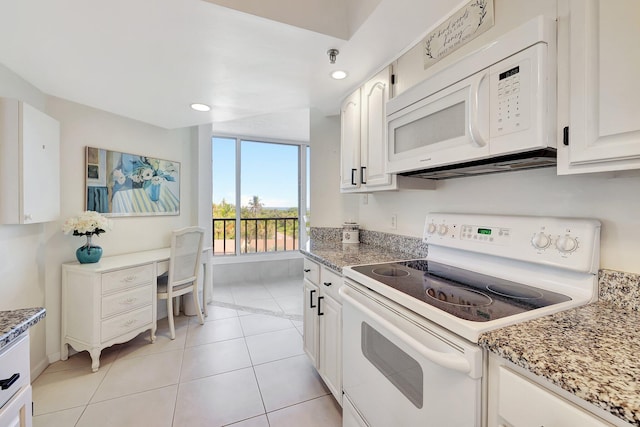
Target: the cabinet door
(331, 345)
(311, 324)
(350, 142)
(17, 413)
(40, 166)
(373, 150)
(599, 65)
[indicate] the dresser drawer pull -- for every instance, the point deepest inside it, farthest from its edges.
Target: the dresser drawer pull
(306, 270)
(129, 323)
(6, 383)
(129, 279)
(327, 283)
(129, 301)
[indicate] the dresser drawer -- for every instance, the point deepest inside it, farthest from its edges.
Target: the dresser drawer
(127, 322)
(14, 365)
(127, 300)
(311, 271)
(127, 278)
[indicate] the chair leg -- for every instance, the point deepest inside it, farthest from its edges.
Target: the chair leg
(196, 304)
(172, 328)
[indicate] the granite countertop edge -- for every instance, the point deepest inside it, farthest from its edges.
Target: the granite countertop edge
(14, 323)
(589, 351)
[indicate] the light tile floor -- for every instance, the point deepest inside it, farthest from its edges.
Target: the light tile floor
(280, 298)
(241, 368)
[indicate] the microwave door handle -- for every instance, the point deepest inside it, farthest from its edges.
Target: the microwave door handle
(474, 94)
(451, 361)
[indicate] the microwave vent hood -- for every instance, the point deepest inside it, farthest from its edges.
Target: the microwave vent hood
(511, 162)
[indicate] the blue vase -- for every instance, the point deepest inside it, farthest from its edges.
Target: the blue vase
(88, 253)
(153, 190)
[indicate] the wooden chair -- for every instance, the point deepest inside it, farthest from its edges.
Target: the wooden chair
(184, 271)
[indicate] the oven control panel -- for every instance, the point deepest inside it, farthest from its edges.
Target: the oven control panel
(572, 243)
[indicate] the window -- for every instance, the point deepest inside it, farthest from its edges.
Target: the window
(267, 180)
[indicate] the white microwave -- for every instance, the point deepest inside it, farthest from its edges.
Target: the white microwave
(494, 110)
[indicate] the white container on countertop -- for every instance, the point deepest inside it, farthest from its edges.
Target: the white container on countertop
(350, 232)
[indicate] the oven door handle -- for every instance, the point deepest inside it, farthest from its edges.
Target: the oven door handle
(451, 361)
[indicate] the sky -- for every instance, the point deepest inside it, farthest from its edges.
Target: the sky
(269, 171)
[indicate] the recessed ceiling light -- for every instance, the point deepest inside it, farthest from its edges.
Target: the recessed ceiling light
(339, 74)
(200, 107)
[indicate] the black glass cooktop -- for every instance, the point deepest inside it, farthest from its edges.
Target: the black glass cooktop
(463, 293)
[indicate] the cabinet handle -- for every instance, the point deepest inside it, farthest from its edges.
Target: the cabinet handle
(353, 176)
(129, 301)
(311, 292)
(362, 178)
(129, 279)
(306, 270)
(319, 312)
(327, 283)
(6, 383)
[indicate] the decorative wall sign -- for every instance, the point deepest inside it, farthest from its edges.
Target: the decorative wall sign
(121, 184)
(467, 23)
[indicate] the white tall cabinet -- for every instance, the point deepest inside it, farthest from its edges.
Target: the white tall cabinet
(323, 324)
(599, 87)
(29, 164)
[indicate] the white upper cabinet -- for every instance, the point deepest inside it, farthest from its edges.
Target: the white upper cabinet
(373, 148)
(364, 140)
(350, 142)
(29, 164)
(599, 85)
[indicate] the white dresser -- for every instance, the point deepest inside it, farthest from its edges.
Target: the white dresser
(109, 302)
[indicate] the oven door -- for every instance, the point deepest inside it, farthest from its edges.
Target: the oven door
(399, 370)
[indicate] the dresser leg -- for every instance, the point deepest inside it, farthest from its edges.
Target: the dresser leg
(95, 359)
(153, 333)
(64, 351)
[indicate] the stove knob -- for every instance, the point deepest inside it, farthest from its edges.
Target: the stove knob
(431, 228)
(442, 229)
(540, 240)
(566, 244)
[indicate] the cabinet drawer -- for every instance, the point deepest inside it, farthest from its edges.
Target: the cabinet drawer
(311, 271)
(330, 283)
(126, 323)
(14, 360)
(522, 403)
(126, 278)
(127, 300)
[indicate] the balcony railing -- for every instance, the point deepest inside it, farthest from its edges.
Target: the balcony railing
(256, 235)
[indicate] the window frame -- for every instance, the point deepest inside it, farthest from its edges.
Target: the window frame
(303, 150)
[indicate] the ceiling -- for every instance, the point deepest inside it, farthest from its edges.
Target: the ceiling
(260, 65)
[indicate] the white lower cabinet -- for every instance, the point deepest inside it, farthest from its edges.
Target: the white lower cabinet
(15, 396)
(516, 400)
(323, 324)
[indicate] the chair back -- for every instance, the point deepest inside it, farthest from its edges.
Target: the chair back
(186, 250)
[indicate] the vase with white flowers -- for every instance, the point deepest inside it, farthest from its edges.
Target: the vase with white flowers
(87, 224)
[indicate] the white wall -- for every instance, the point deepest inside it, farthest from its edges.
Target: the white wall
(32, 254)
(328, 207)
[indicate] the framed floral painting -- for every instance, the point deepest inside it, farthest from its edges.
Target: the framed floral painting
(123, 184)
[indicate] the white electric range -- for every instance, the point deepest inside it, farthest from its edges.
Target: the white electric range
(410, 328)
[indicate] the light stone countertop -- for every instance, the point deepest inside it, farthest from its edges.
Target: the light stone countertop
(591, 351)
(337, 255)
(14, 323)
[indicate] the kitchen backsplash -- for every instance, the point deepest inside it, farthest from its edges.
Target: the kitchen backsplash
(393, 242)
(620, 288)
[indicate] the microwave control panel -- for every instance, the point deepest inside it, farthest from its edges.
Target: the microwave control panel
(511, 90)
